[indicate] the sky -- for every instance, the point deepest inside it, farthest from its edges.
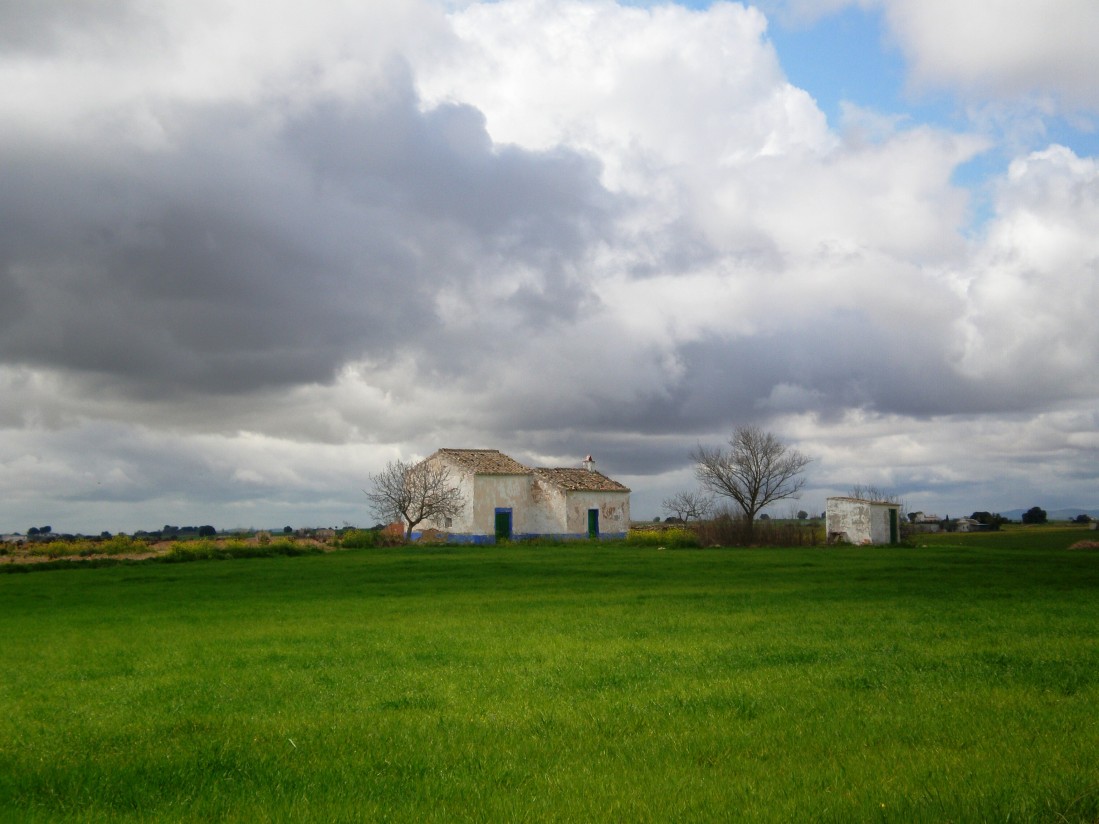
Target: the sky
(250, 253)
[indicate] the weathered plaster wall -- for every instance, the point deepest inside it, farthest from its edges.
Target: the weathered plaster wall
(548, 509)
(847, 519)
(879, 524)
(464, 522)
(858, 522)
(494, 492)
(614, 512)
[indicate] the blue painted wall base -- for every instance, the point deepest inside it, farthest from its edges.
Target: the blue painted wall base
(454, 538)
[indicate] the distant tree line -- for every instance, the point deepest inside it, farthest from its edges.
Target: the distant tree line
(171, 533)
(166, 533)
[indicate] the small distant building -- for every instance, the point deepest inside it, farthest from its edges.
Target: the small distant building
(926, 522)
(861, 522)
(505, 500)
(969, 525)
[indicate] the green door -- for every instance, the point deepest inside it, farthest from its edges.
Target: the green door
(503, 525)
(593, 523)
(893, 537)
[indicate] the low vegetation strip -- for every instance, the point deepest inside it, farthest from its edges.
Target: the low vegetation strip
(559, 683)
(123, 549)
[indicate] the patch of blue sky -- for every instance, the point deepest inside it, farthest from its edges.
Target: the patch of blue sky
(1079, 134)
(980, 174)
(845, 57)
(840, 58)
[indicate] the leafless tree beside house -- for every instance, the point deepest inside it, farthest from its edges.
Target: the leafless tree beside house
(412, 493)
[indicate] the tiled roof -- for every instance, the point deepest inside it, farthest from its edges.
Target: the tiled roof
(579, 480)
(484, 461)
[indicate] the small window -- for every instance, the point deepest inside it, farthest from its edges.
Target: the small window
(447, 522)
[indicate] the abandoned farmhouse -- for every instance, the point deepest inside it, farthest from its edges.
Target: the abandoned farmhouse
(506, 500)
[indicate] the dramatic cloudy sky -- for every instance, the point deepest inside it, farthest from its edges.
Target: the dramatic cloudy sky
(251, 252)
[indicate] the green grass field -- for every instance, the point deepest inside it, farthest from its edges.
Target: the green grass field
(953, 682)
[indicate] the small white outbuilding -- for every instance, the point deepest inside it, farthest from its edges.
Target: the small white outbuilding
(857, 521)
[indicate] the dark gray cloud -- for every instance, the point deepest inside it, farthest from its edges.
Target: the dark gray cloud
(48, 25)
(246, 256)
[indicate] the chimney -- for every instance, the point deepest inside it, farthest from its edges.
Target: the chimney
(589, 463)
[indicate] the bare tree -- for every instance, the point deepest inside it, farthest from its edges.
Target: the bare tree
(869, 492)
(413, 493)
(687, 505)
(757, 469)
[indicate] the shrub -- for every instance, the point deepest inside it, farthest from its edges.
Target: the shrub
(212, 550)
(121, 545)
(84, 547)
(192, 550)
(679, 537)
(368, 539)
(359, 539)
(726, 530)
(55, 549)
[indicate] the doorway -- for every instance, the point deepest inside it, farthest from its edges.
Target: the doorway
(593, 523)
(503, 525)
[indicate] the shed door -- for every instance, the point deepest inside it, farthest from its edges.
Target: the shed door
(893, 536)
(593, 523)
(503, 524)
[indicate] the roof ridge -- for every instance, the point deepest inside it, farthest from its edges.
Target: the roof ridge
(573, 477)
(485, 461)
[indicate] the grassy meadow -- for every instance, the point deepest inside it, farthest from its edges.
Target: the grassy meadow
(957, 681)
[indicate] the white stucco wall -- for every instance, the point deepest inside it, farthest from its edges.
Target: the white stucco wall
(859, 522)
(501, 491)
(464, 521)
(879, 523)
(483, 495)
(614, 511)
(548, 509)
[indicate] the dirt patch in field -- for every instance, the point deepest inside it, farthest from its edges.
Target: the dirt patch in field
(1085, 545)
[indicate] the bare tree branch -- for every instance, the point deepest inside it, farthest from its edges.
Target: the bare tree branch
(413, 493)
(756, 470)
(869, 492)
(687, 505)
